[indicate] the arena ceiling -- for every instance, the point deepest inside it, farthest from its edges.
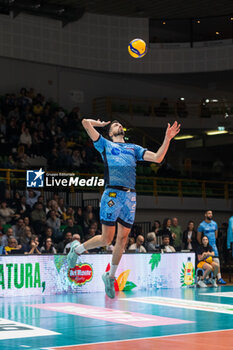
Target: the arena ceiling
(160, 9)
(71, 10)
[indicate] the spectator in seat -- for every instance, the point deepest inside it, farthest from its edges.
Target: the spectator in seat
(156, 228)
(88, 219)
(26, 221)
(94, 224)
(77, 160)
(55, 223)
(12, 245)
(41, 201)
(48, 247)
(9, 201)
(55, 207)
(205, 254)
(53, 159)
(178, 233)
(22, 158)
(129, 242)
(32, 197)
(48, 206)
(136, 230)
(138, 246)
(9, 233)
(25, 138)
(166, 247)
(61, 206)
(55, 198)
(38, 217)
(190, 237)
(78, 217)
(71, 227)
(22, 208)
(26, 237)
(37, 109)
(69, 214)
(14, 114)
(75, 237)
(61, 245)
(12, 132)
(166, 230)
(91, 233)
(6, 214)
(18, 228)
(47, 234)
(33, 246)
(150, 244)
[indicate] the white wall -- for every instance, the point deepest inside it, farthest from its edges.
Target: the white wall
(16, 74)
(99, 42)
(57, 83)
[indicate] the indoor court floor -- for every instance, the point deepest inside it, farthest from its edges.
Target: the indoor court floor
(166, 319)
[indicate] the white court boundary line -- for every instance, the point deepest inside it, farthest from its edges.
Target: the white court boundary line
(184, 304)
(146, 338)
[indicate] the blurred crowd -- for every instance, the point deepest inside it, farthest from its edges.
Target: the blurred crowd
(31, 225)
(32, 127)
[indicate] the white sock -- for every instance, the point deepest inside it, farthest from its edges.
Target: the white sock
(112, 271)
(219, 276)
(80, 249)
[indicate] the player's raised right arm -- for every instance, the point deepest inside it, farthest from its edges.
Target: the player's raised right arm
(90, 124)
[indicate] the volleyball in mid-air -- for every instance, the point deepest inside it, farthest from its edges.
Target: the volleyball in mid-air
(137, 48)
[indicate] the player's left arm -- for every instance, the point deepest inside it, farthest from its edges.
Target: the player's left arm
(158, 157)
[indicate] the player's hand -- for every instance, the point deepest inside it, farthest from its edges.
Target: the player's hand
(173, 130)
(101, 124)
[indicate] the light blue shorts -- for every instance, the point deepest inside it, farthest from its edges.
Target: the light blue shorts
(117, 206)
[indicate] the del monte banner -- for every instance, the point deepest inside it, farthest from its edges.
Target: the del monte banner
(49, 274)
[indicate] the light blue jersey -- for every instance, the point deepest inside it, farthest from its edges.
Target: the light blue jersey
(230, 233)
(120, 170)
(120, 161)
(208, 229)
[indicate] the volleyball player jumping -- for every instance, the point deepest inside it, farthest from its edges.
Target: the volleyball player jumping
(118, 202)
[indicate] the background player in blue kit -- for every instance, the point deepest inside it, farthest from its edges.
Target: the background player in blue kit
(118, 202)
(209, 228)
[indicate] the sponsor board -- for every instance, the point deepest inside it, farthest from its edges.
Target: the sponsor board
(49, 274)
(80, 274)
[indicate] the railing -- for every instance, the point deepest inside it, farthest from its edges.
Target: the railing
(16, 180)
(145, 226)
(93, 202)
(153, 107)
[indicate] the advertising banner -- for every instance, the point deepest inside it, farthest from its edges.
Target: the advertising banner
(49, 274)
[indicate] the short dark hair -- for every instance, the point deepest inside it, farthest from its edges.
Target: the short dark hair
(165, 236)
(110, 125)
